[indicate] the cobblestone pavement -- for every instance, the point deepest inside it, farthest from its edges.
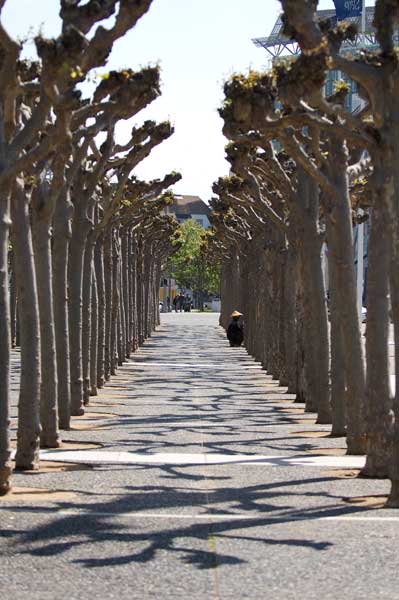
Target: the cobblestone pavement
(196, 476)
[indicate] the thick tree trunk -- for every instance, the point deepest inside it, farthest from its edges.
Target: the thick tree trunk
(49, 436)
(121, 315)
(61, 238)
(86, 319)
(379, 417)
(94, 336)
(338, 386)
(150, 297)
(315, 380)
(264, 307)
(119, 360)
(290, 319)
(87, 283)
(5, 447)
(99, 277)
(283, 374)
(126, 290)
(157, 285)
(123, 354)
(315, 315)
(341, 247)
(351, 341)
(315, 327)
(133, 327)
(13, 302)
(228, 284)
(17, 340)
(140, 304)
(146, 285)
(390, 159)
(75, 281)
(301, 384)
(27, 455)
(272, 322)
(320, 336)
(115, 304)
(80, 264)
(108, 283)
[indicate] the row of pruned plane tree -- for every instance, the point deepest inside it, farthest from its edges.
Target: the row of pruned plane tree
(82, 240)
(301, 166)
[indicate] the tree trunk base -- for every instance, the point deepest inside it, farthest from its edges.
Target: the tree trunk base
(300, 396)
(27, 454)
(371, 473)
(77, 405)
(323, 419)
(376, 466)
(64, 425)
(50, 441)
(356, 445)
(5, 483)
(393, 500)
(337, 433)
(20, 465)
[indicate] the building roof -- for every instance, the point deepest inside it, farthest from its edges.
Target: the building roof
(276, 42)
(189, 205)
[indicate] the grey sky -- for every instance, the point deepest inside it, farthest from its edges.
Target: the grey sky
(198, 44)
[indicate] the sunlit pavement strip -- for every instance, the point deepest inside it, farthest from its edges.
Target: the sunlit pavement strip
(191, 365)
(171, 458)
(222, 516)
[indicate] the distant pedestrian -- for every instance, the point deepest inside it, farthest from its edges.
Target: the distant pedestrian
(181, 301)
(168, 303)
(175, 302)
(187, 303)
(235, 330)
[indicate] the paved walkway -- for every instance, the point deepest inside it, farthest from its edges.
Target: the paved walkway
(203, 480)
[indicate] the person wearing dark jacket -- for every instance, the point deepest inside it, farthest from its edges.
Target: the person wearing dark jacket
(235, 330)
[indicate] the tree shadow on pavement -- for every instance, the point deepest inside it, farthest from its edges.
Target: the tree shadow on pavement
(134, 523)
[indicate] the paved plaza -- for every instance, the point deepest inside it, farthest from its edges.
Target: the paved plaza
(193, 475)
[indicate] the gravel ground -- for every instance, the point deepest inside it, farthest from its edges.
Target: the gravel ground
(206, 531)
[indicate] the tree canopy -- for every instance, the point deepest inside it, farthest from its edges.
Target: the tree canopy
(192, 266)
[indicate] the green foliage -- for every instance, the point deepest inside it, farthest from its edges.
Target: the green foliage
(341, 86)
(193, 267)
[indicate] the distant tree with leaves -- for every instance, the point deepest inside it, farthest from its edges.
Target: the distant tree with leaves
(192, 265)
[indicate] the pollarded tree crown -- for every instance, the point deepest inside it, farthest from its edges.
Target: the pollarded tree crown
(248, 98)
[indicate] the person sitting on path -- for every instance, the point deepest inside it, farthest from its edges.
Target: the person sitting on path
(235, 330)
